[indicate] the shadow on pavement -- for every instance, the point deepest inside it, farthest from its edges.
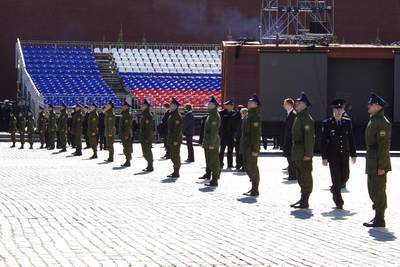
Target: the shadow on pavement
(338, 214)
(207, 189)
(382, 234)
(141, 173)
(247, 200)
(119, 168)
(303, 214)
(169, 180)
(289, 182)
(104, 163)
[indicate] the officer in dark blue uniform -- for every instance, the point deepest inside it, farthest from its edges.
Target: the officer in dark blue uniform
(227, 131)
(337, 145)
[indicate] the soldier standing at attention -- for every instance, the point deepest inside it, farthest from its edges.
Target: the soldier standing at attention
(188, 131)
(102, 140)
(77, 121)
(13, 128)
(109, 130)
(227, 133)
(337, 145)
(251, 135)
(21, 128)
(30, 124)
(211, 141)
(207, 175)
(377, 137)
(52, 127)
(288, 105)
(93, 129)
(63, 127)
(303, 136)
(175, 136)
(41, 124)
(86, 125)
(146, 135)
(125, 133)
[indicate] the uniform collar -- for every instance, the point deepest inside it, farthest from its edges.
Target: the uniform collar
(379, 114)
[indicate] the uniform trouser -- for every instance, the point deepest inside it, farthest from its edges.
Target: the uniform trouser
(13, 139)
(87, 139)
(52, 138)
(189, 143)
(93, 143)
(229, 155)
(63, 139)
(377, 191)
(208, 170)
(339, 168)
(102, 141)
(304, 175)
(252, 171)
(147, 153)
(291, 167)
(127, 148)
(42, 137)
(78, 142)
(30, 138)
(22, 138)
(212, 158)
(167, 149)
(110, 146)
(175, 157)
(239, 156)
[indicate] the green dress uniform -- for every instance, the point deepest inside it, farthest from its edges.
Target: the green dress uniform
(77, 124)
(175, 140)
(251, 136)
(109, 132)
(63, 128)
(30, 123)
(13, 128)
(52, 128)
(125, 133)
(303, 136)
(378, 138)
(93, 131)
(21, 128)
(41, 123)
(211, 138)
(146, 137)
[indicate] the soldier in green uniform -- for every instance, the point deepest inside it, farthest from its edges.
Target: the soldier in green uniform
(251, 134)
(30, 125)
(41, 124)
(125, 133)
(146, 135)
(211, 141)
(109, 130)
(93, 129)
(175, 136)
(21, 128)
(377, 137)
(52, 127)
(62, 126)
(13, 128)
(303, 136)
(77, 124)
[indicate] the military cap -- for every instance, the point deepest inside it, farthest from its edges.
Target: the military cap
(146, 102)
(338, 103)
(127, 104)
(111, 103)
(303, 98)
(375, 99)
(228, 102)
(254, 98)
(214, 101)
(175, 102)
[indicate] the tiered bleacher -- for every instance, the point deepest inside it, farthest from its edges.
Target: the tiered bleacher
(189, 75)
(66, 74)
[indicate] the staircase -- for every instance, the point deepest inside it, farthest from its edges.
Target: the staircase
(110, 75)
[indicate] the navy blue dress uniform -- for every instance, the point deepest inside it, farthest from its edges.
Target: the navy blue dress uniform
(337, 145)
(287, 144)
(378, 137)
(227, 131)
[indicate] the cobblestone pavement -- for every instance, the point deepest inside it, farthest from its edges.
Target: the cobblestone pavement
(58, 210)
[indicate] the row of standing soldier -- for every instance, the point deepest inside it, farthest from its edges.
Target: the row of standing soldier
(337, 143)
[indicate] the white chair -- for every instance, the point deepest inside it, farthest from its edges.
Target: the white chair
(97, 50)
(135, 50)
(105, 50)
(114, 50)
(128, 50)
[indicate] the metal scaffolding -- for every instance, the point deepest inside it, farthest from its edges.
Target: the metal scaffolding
(297, 21)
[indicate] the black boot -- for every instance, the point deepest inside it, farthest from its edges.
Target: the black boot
(378, 221)
(206, 176)
(78, 153)
(149, 168)
(214, 182)
(302, 203)
(253, 192)
(94, 156)
(175, 174)
(126, 164)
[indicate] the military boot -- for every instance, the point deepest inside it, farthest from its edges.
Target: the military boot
(302, 203)
(126, 164)
(378, 221)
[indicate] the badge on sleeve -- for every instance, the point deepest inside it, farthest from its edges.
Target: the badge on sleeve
(255, 124)
(382, 133)
(177, 122)
(146, 121)
(307, 127)
(214, 123)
